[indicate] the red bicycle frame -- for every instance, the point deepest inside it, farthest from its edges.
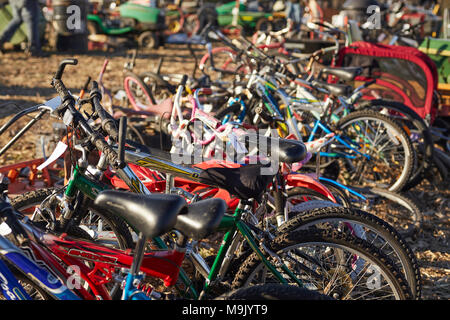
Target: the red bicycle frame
(76, 254)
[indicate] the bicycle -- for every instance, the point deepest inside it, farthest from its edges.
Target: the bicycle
(109, 154)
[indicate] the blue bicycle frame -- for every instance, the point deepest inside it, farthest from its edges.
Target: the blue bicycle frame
(340, 185)
(11, 288)
(130, 292)
(318, 125)
(242, 112)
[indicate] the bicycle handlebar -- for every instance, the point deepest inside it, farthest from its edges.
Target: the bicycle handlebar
(8, 216)
(69, 113)
(108, 123)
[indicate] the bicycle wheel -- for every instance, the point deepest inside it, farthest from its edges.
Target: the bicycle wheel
(418, 131)
(396, 209)
(361, 224)
(380, 138)
(330, 263)
(104, 228)
(138, 93)
(273, 291)
(224, 63)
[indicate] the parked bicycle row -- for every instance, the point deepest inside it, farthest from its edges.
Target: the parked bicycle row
(287, 171)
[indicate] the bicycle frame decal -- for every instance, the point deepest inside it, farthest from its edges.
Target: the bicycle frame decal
(11, 288)
(39, 275)
(86, 185)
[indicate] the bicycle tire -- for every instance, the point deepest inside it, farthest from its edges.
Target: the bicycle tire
(405, 259)
(442, 173)
(405, 202)
(331, 239)
(157, 83)
(224, 69)
(396, 183)
(273, 291)
(349, 200)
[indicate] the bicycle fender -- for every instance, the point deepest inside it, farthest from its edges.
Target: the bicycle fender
(305, 181)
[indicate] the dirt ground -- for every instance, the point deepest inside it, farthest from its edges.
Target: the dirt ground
(26, 81)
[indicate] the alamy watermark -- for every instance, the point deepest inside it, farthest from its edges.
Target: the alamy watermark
(238, 146)
(374, 20)
(74, 19)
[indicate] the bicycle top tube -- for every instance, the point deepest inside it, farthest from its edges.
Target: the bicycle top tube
(163, 164)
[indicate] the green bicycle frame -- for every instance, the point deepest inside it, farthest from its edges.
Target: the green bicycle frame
(233, 224)
(79, 182)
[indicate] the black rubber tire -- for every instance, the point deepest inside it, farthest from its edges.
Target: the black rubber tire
(425, 160)
(118, 225)
(149, 40)
(442, 172)
(273, 291)
(343, 199)
(363, 248)
(399, 183)
(406, 202)
(120, 228)
(31, 198)
(406, 260)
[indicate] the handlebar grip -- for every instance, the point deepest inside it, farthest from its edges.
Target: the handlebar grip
(60, 89)
(9, 217)
(62, 65)
(184, 80)
(95, 91)
(66, 98)
(121, 142)
(86, 84)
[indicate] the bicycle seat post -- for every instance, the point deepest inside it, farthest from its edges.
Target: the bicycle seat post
(130, 290)
(138, 254)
